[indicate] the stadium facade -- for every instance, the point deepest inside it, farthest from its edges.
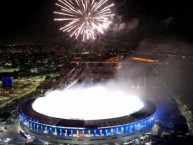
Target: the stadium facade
(75, 131)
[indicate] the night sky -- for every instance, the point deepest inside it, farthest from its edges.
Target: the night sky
(32, 20)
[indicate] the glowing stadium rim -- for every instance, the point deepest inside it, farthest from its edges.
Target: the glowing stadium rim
(93, 103)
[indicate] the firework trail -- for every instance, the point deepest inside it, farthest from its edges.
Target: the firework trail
(84, 18)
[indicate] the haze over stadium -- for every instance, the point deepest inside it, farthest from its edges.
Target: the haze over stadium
(88, 103)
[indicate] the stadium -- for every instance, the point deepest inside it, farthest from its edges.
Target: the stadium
(108, 130)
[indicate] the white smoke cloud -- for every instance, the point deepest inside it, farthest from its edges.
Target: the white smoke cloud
(126, 26)
(88, 103)
(168, 21)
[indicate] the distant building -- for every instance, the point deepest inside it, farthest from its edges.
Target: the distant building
(7, 82)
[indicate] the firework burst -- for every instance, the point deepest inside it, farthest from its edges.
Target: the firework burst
(84, 18)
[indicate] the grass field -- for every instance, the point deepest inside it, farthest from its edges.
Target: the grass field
(10, 70)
